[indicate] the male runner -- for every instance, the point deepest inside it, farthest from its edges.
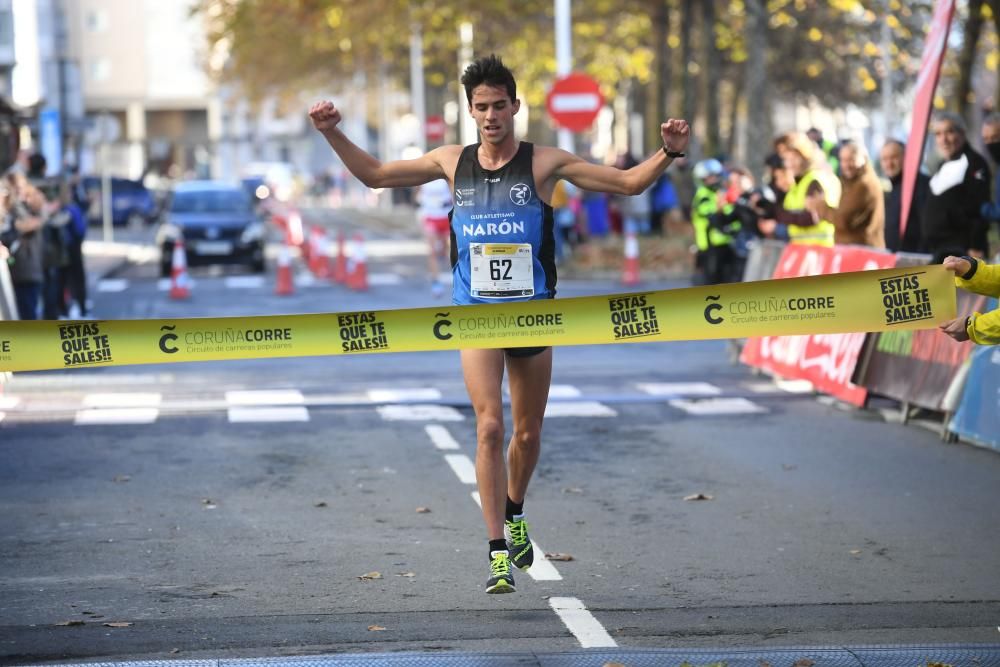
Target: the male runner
(502, 187)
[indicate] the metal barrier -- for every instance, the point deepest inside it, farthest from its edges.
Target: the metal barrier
(8, 305)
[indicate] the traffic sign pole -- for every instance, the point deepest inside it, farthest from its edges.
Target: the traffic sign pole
(564, 58)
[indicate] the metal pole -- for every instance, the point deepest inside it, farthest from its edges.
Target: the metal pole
(109, 234)
(417, 84)
(564, 57)
(469, 131)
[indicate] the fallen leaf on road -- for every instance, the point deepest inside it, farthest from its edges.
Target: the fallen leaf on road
(121, 478)
(375, 628)
(699, 496)
(423, 510)
(938, 664)
(175, 650)
(117, 624)
(854, 552)
(763, 663)
(558, 556)
(572, 489)
(370, 575)
(69, 623)
(803, 662)
(613, 664)
(789, 467)
(405, 574)
(208, 503)
(321, 503)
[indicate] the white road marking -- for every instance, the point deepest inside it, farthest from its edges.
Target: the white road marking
(9, 402)
(463, 467)
(384, 279)
(397, 395)
(2, 415)
(441, 437)
(542, 569)
(439, 413)
(265, 397)
(718, 406)
(116, 416)
(244, 282)
(112, 285)
(579, 409)
(679, 388)
(788, 386)
(556, 391)
(122, 400)
(258, 414)
(587, 630)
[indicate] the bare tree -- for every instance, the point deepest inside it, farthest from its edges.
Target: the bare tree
(758, 127)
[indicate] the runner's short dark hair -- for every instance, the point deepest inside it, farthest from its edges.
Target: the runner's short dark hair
(491, 71)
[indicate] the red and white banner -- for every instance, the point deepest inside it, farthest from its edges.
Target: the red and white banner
(930, 68)
(827, 361)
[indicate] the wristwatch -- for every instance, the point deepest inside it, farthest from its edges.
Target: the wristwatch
(673, 154)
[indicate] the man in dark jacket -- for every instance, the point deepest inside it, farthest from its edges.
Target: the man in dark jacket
(891, 158)
(952, 218)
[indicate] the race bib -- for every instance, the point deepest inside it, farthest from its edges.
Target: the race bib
(501, 270)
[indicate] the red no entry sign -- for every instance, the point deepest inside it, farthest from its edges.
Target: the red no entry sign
(574, 101)
(435, 128)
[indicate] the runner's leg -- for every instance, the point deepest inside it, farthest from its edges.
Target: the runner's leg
(483, 371)
(529, 379)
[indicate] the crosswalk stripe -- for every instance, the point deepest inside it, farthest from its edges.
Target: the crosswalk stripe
(679, 389)
(463, 467)
(112, 285)
(265, 414)
(578, 409)
(718, 406)
(265, 397)
(104, 416)
(122, 400)
(587, 630)
(9, 402)
(377, 279)
(397, 395)
(557, 391)
(244, 282)
(441, 413)
(441, 437)
(788, 386)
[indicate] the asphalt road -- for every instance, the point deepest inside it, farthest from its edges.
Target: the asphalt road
(213, 536)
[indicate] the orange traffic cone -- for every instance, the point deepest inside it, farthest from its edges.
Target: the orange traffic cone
(357, 276)
(340, 266)
(180, 285)
(630, 272)
(284, 286)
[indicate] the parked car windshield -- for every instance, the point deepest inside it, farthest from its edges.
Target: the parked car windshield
(211, 201)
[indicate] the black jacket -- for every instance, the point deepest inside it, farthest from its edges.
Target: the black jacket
(952, 223)
(912, 241)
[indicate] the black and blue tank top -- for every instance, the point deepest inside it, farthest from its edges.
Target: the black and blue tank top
(502, 244)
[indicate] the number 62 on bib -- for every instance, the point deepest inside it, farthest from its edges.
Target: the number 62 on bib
(501, 270)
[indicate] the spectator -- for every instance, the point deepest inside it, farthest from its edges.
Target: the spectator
(714, 256)
(22, 234)
(859, 219)
(635, 210)
(74, 278)
(665, 203)
(737, 219)
(815, 189)
(566, 205)
(891, 158)
(434, 199)
(991, 138)
(952, 215)
(828, 147)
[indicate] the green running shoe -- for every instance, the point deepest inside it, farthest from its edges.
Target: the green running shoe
(501, 580)
(522, 554)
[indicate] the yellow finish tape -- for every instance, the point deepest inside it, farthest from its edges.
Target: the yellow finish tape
(882, 300)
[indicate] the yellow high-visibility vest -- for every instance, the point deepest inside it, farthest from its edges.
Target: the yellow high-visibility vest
(821, 233)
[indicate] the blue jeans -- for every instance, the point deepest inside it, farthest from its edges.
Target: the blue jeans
(27, 296)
